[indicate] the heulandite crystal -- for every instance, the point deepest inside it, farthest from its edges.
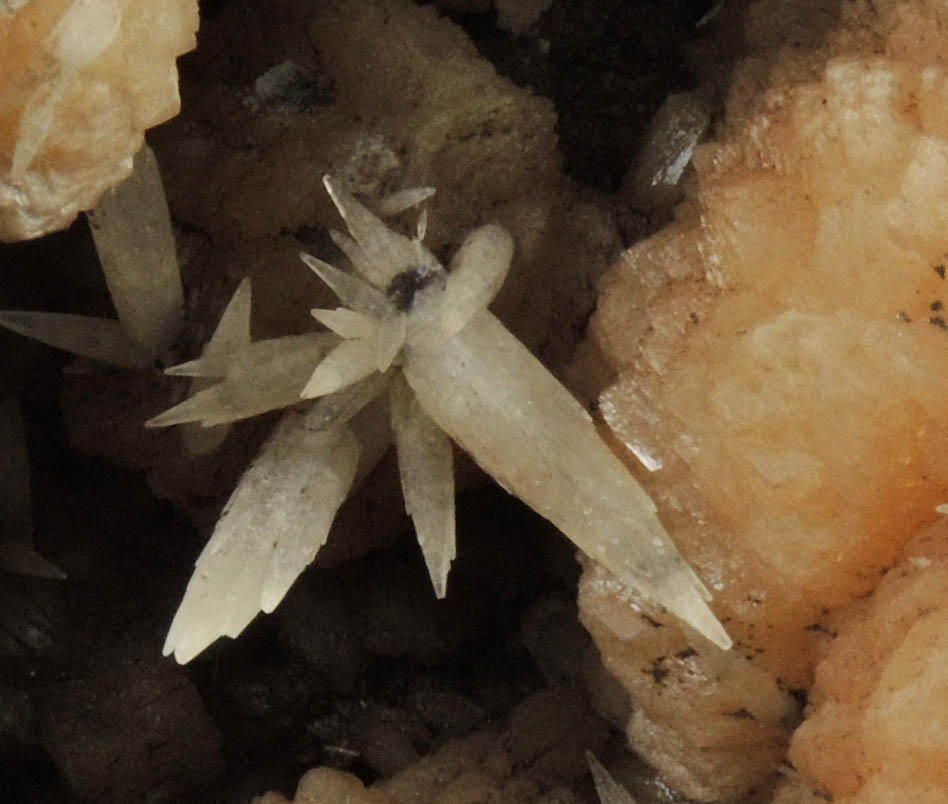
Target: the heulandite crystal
(80, 81)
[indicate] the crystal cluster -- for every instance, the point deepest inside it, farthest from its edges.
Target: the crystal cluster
(422, 336)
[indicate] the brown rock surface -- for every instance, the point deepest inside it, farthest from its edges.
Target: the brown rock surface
(538, 756)
(131, 732)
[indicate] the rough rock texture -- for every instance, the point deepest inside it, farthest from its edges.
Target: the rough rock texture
(528, 760)
(778, 357)
(150, 738)
(80, 82)
(398, 97)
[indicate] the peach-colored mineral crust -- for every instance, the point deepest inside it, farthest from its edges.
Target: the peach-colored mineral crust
(878, 730)
(781, 354)
(707, 714)
(80, 81)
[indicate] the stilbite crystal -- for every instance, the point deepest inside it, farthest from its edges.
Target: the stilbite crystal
(479, 386)
(131, 226)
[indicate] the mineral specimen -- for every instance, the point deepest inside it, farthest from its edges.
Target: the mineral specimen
(80, 81)
(780, 352)
(455, 369)
(876, 731)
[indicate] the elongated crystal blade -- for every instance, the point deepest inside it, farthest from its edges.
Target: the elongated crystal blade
(271, 529)
(131, 226)
(99, 338)
(349, 362)
(477, 272)
(387, 253)
(485, 389)
(352, 291)
(426, 467)
(231, 335)
(265, 376)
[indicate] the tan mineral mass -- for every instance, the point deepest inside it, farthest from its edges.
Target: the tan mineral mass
(877, 731)
(779, 357)
(80, 81)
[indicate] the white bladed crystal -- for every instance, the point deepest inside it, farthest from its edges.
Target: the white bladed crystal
(133, 236)
(477, 272)
(404, 199)
(99, 338)
(425, 464)
(347, 363)
(385, 251)
(353, 292)
(271, 528)
(232, 335)
(346, 323)
(265, 376)
(485, 389)
(389, 338)
(607, 788)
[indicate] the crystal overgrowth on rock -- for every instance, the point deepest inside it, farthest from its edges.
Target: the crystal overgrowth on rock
(781, 356)
(450, 369)
(80, 81)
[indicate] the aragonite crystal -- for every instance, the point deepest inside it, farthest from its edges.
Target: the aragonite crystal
(781, 353)
(80, 81)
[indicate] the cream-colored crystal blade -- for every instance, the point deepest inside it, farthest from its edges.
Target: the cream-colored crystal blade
(233, 329)
(389, 338)
(338, 408)
(607, 788)
(271, 529)
(349, 362)
(257, 381)
(353, 252)
(387, 253)
(352, 291)
(485, 389)
(132, 230)
(426, 467)
(272, 350)
(404, 199)
(232, 335)
(477, 272)
(333, 456)
(421, 227)
(99, 338)
(346, 323)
